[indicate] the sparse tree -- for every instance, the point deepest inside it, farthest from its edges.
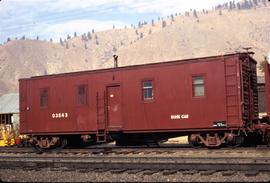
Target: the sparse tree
(139, 24)
(89, 36)
(172, 17)
(61, 42)
(153, 23)
(195, 14)
(23, 37)
(141, 35)
(114, 49)
(163, 23)
(83, 37)
(238, 6)
(51, 40)
(255, 2)
(75, 34)
(93, 31)
(113, 26)
(220, 12)
(37, 38)
(264, 3)
(8, 39)
(68, 36)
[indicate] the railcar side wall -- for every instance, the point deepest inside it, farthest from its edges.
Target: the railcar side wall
(68, 103)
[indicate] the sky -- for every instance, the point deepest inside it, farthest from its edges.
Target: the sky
(58, 18)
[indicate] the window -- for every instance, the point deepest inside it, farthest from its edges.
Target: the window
(44, 94)
(148, 93)
(198, 86)
(82, 95)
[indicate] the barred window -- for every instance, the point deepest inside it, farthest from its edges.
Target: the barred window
(82, 95)
(198, 86)
(148, 92)
(44, 95)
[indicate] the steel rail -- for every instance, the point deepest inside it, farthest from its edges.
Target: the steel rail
(143, 163)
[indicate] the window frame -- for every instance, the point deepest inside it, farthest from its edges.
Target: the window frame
(40, 97)
(78, 98)
(143, 89)
(193, 86)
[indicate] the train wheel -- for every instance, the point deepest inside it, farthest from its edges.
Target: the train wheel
(46, 144)
(193, 140)
(236, 141)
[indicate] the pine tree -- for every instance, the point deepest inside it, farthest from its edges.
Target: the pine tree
(75, 34)
(195, 14)
(114, 49)
(141, 35)
(172, 18)
(163, 23)
(61, 42)
(153, 24)
(220, 12)
(89, 36)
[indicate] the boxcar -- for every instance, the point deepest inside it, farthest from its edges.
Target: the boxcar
(213, 100)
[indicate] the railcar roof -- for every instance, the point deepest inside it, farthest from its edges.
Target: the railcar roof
(155, 64)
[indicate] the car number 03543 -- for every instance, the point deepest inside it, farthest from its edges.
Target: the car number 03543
(60, 115)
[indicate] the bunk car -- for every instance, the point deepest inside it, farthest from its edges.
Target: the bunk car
(213, 100)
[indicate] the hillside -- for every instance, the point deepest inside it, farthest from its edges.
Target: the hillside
(182, 37)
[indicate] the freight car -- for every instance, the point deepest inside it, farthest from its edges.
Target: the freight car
(213, 100)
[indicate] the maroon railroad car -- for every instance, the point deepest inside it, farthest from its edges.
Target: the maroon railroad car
(212, 99)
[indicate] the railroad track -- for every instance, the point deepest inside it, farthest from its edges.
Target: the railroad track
(142, 159)
(137, 163)
(111, 149)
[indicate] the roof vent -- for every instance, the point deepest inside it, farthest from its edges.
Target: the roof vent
(115, 61)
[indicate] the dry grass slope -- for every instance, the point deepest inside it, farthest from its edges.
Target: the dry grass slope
(185, 37)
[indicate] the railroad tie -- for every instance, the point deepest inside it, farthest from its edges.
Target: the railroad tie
(189, 172)
(150, 172)
(134, 171)
(251, 173)
(228, 173)
(169, 172)
(208, 172)
(118, 171)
